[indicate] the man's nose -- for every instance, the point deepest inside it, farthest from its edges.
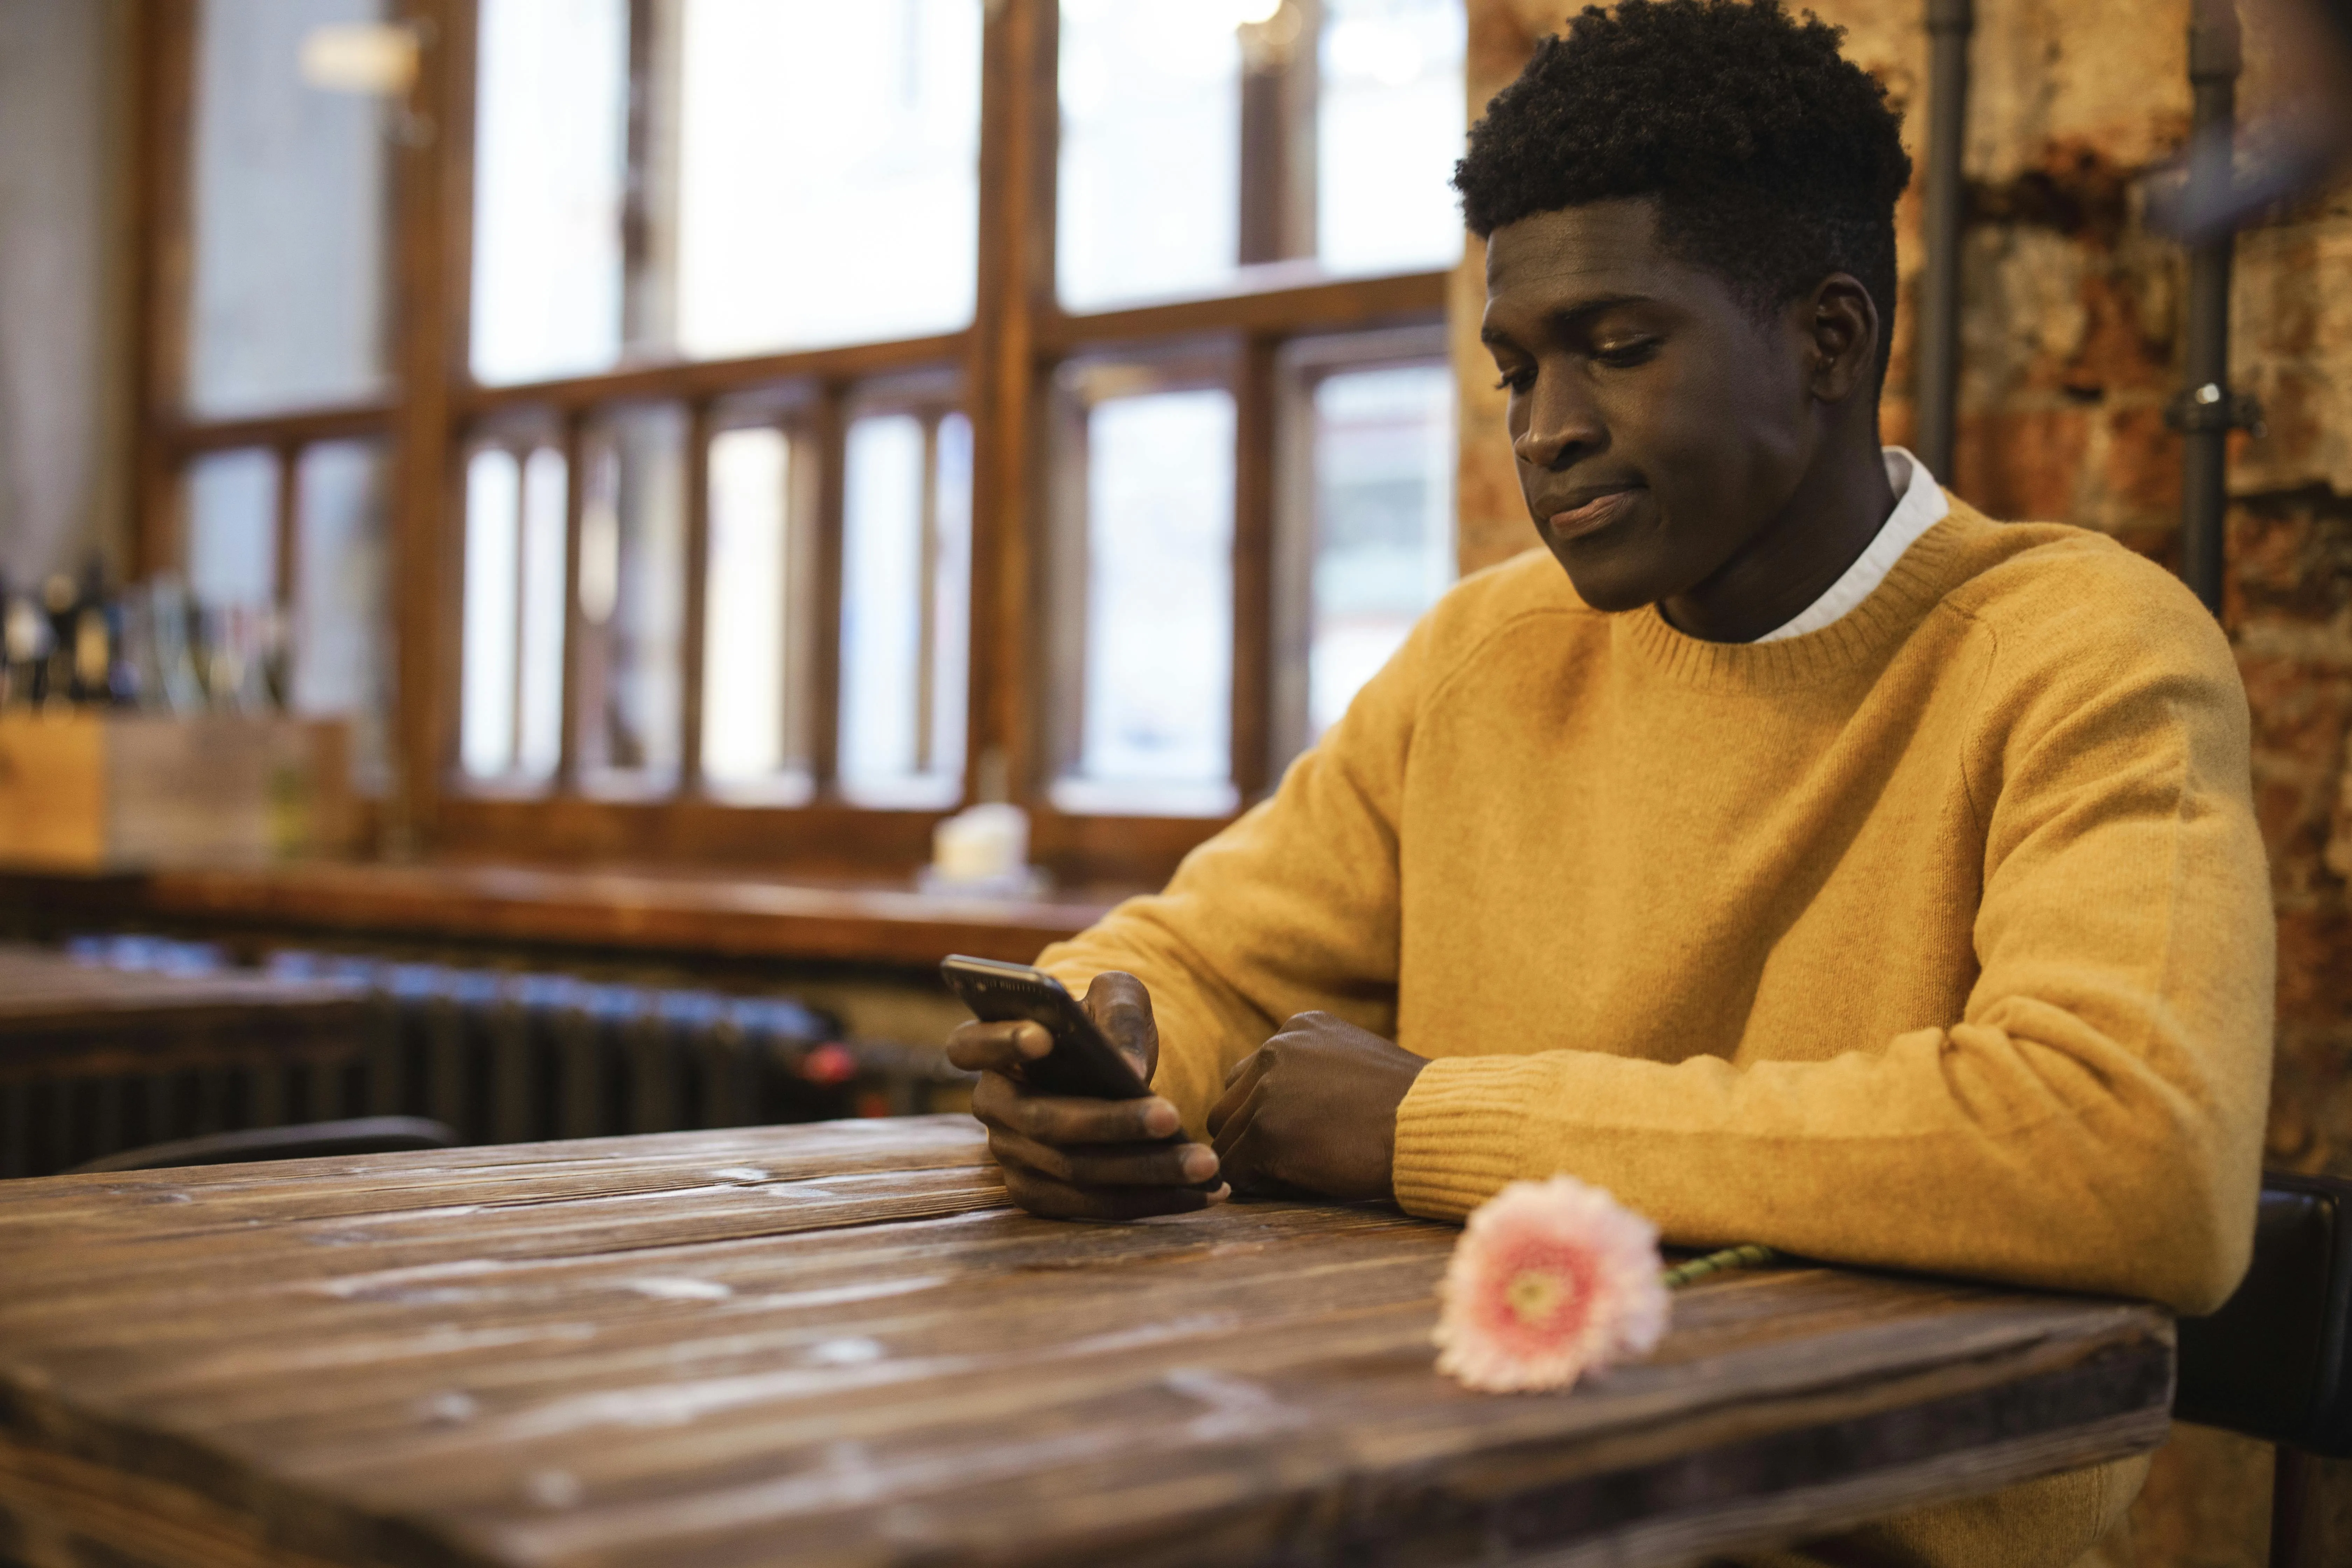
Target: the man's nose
(1562, 425)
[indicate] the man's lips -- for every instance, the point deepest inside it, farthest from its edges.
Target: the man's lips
(1591, 516)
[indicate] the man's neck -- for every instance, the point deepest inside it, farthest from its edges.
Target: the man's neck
(1796, 557)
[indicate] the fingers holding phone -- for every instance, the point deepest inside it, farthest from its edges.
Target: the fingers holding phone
(1121, 1009)
(1063, 1093)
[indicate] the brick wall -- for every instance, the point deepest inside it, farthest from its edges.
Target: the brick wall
(2071, 338)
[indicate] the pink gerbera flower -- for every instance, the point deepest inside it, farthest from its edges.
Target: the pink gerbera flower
(1549, 1280)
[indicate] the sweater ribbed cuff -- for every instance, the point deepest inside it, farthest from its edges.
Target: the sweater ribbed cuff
(1458, 1135)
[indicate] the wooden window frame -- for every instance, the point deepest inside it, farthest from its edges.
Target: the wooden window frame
(1005, 362)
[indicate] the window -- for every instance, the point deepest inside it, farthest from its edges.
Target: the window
(796, 430)
(1146, 597)
(288, 206)
(266, 516)
(877, 238)
(1193, 144)
(1382, 522)
(512, 652)
(1388, 118)
(551, 129)
(747, 739)
(666, 218)
(906, 583)
(1150, 151)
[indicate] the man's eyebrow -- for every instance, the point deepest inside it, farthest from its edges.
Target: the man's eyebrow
(1569, 317)
(1583, 310)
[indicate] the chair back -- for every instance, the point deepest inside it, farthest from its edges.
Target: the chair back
(2272, 1362)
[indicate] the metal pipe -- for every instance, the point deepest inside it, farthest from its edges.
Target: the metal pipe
(1951, 24)
(2208, 410)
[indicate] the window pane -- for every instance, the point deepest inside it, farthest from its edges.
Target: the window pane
(829, 171)
(539, 685)
(1389, 112)
(632, 592)
(952, 599)
(905, 584)
(1149, 201)
(550, 142)
(1155, 726)
(289, 208)
(487, 706)
(1383, 522)
(343, 641)
(232, 530)
(510, 713)
(234, 632)
(744, 681)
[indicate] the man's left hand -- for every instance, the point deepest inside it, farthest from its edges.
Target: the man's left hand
(1314, 1108)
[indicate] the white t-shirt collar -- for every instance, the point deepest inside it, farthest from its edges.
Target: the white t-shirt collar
(1919, 505)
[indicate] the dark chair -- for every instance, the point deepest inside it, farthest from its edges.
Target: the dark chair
(305, 1140)
(2271, 1364)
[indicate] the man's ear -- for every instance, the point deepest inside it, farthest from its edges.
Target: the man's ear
(1843, 321)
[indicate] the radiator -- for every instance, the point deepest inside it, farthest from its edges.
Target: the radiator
(502, 1056)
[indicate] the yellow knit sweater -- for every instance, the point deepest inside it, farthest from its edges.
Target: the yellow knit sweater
(1938, 939)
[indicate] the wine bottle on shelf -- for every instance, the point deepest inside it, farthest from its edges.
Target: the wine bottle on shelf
(25, 632)
(93, 652)
(171, 615)
(277, 662)
(131, 676)
(61, 600)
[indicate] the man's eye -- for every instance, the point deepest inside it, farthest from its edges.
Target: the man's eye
(1516, 380)
(1621, 355)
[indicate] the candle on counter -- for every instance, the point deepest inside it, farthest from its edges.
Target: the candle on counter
(983, 850)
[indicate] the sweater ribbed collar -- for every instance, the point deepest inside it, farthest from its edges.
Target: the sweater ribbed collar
(1856, 641)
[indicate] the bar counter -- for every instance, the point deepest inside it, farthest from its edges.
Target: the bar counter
(735, 916)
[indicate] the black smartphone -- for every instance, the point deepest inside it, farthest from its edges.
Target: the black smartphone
(1083, 1060)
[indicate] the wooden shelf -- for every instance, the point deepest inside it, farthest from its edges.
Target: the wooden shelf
(673, 912)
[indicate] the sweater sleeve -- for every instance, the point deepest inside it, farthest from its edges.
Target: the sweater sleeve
(2093, 1120)
(1290, 909)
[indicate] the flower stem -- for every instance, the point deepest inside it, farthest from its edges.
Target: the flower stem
(1749, 1257)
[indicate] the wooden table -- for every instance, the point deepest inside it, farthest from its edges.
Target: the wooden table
(835, 1344)
(94, 1060)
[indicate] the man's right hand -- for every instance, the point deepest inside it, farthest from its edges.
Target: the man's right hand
(1070, 1158)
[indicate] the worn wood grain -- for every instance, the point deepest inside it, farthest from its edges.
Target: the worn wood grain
(835, 1344)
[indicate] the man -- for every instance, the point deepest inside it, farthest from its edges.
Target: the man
(1812, 861)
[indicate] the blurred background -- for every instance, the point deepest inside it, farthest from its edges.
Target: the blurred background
(550, 513)
(609, 371)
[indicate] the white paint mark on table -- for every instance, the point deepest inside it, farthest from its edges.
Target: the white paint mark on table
(673, 1288)
(364, 1285)
(451, 1405)
(842, 1295)
(1236, 1406)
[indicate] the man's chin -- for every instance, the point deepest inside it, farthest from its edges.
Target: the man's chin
(1607, 581)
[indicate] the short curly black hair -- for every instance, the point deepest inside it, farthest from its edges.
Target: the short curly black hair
(1774, 159)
